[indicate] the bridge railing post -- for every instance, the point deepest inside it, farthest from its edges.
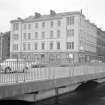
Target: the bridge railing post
(16, 78)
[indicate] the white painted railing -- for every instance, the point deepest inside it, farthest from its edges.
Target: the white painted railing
(48, 73)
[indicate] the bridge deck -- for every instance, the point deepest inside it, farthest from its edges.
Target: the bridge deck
(46, 78)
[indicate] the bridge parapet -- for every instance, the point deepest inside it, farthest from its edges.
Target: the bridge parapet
(49, 73)
(39, 79)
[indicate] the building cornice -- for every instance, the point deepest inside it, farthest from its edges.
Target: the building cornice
(17, 20)
(46, 17)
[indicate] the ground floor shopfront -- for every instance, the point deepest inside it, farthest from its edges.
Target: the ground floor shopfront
(56, 57)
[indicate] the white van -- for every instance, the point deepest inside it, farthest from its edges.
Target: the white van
(13, 65)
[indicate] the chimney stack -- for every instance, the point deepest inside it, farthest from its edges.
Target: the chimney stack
(52, 13)
(81, 11)
(19, 18)
(37, 15)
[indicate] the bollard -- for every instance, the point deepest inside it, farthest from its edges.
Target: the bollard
(56, 95)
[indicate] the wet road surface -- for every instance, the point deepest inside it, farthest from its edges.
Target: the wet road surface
(90, 96)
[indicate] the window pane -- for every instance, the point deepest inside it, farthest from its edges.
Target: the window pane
(52, 23)
(71, 20)
(36, 46)
(16, 26)
(70, 45)
(51, 45)
(59, 23)
(24, 46)
(36, 25)
(36, 35)
(24, 26)
(15, 47)
(29, 35)
(29, 46)
(43, 46)
(29, 26)
(43, 24)
(51, 34)
(67, 21)
(58, 45)
(70, 32)
(58, 33)
(43, 35)
(24, 36)
(15, 36)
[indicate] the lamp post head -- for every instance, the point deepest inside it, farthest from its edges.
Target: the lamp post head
(81, 48)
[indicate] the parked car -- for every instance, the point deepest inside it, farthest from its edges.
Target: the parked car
(35, 64)
(13, 65)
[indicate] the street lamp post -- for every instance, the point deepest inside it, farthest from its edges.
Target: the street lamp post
(70, 56)
(81, 50)
(1, 35)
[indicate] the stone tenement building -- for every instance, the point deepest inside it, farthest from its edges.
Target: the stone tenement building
(101, 44)
(4, 45)
(57, 35)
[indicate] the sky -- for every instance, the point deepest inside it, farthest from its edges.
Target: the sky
(94, 10)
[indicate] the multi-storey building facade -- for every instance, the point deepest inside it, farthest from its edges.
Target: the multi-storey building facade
(58, 35)
(4, 45)
(101, 44)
